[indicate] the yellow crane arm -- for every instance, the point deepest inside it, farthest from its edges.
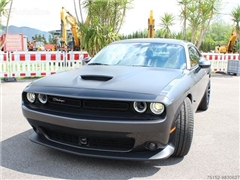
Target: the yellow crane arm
(74, 27)
(63, 24)
(230, 46)
(68, 18)
(151, 25)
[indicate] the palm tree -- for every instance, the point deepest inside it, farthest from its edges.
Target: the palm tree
(236, 19)
(199, 16)
(3, 10)
(166, 22)
(105, 20)
(75, 9)
(236, 16)
(184, 15)
(208, 9)
(194, 19)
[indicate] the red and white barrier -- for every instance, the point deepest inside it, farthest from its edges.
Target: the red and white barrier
(34, 63)
(4, 70)
(74, 59)
(27, 64)
(219, 62)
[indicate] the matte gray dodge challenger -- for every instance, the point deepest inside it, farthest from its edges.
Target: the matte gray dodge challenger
(134, 100)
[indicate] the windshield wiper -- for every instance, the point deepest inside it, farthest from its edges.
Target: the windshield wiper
(98, 64)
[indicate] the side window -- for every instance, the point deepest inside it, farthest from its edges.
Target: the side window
(194, 56)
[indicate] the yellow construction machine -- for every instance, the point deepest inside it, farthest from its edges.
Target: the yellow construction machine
(229, 48)
(68, 18)
(36, 45)
(151, 22)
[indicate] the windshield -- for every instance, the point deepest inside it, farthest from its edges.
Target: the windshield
(142, 54)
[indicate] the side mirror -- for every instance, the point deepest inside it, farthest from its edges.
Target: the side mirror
(204, 63)
(86, 60)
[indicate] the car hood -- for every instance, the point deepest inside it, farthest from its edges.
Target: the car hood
(147, 80)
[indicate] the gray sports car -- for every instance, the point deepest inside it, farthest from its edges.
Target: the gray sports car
(134, 100)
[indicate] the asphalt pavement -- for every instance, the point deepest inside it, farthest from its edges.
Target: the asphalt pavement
(214, 153)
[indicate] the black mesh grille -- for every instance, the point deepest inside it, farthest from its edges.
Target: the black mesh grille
(64, 101)
(87, 104)
(107, 105)
(95, 143)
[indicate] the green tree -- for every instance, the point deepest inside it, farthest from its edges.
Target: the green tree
(207, 9)
(39, 37)
(235, 14)
(105, 19)
(198, 14)
(75, 9)
(167, 20)
(51, 39)
(183, 16)
(218, 33)
(159, 33)
(3, 10)
(180, 35)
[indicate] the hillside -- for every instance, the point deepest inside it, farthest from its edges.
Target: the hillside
(27, 31)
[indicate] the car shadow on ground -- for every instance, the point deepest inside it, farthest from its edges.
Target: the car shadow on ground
(224, 74)
(22, 155)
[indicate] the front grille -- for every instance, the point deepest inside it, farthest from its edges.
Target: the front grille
(87, 104)
(105, 105)
(69, 102)
(96, 109)
(92, 142)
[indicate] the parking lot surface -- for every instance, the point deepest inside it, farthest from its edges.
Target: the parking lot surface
(214, 153)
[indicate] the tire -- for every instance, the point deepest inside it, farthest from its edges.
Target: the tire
(204, 104)
(184, 129)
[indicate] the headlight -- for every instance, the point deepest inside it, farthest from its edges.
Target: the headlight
(140, 107)
(43, 98)
(157, 108)
(31, 97)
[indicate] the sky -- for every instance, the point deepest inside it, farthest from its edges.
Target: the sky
(45, 14)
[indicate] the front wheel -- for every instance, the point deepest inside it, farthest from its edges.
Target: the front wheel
(184, 129)
(204, 104)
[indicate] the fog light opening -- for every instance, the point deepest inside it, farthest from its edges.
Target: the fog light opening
(152, 146)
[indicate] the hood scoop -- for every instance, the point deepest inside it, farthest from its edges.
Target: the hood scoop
(96, 77)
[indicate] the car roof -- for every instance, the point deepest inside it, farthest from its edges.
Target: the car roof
(153, 40)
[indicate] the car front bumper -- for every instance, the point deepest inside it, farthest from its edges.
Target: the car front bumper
(105, 139)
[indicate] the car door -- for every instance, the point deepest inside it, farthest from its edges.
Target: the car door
(199, 75)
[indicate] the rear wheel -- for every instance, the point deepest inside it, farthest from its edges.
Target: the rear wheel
(204, 104)
(184, 129)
